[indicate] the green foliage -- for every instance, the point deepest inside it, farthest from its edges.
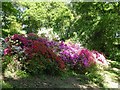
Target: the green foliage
(10, 19)
(94, 75)
(22, 74)
(14, 26)
(96, 25)
(36, 66)
(93, 24)
(5, 61)
(50, 15)
(6, 85)
(40, 65)
(11, 64)
(96, 78)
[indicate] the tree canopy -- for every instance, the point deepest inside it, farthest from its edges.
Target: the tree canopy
(94, 24)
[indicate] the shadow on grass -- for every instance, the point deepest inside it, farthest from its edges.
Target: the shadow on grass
(115, 64)
(69, 79)
(47, 81)
(114, 73)
(115, 68)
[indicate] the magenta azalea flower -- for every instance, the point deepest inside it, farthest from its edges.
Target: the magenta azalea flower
(87, 58)
(7, 51)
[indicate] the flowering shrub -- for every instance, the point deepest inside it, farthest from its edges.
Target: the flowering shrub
(32, 36)
(7, 51)
(75, 55)
(69, 53)
(48, 33)
(30, 47)
(100, 58)
(86, 58)
(42, 54)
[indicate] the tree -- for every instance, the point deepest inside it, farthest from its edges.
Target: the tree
(10, 19)
(97, 25)
(54, 15)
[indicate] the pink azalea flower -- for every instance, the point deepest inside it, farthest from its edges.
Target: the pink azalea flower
(7, 51)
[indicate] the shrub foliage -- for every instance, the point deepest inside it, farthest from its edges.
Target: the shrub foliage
(37, 55)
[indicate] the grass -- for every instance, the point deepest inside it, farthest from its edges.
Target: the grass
(6, 84)
(112, 75)
(109, 78)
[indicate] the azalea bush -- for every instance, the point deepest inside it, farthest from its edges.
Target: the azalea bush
(77, 57)
(37, 54)
(30, 49)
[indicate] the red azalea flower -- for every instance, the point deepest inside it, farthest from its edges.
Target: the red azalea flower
(60, 62)
(86, 57)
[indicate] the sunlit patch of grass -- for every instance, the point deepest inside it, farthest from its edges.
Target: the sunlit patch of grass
(22, 74)
(110, 80)
(114, 64)
(17, 74)
(114, 75)
(114, 70)
(111, 75)
(6, 85)
(96, 78)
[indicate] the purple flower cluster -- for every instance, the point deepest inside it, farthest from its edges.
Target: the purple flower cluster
(74, 54)
(68, 52)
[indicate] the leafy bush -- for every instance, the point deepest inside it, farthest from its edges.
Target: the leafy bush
(77, 57)
(38, 55)
(31, 52)
(5, 61)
